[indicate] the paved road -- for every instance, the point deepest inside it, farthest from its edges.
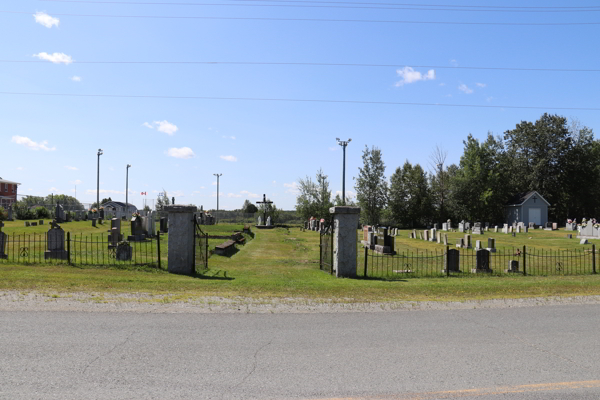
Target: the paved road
(549, 352)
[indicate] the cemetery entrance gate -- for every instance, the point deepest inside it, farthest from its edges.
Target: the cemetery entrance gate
(326, 246)
(200, 247)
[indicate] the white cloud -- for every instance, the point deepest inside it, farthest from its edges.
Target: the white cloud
(214, 194)
(20, 168)
(25, 141)
(76, 78)
(76, 182)
(229, 137)
(454, 63)
(349, 194)
(251, 195)
(229, 158)
(465, 88)
(214, 183)
(334, 148)
(233, 195)
(274, 182)
(409, 75)
(162, 126)
(448, 95)
(442, 84)
(45, 20)
(176, 194)
(481, 85)
(184, 152)
(56, 58)
(489, 99)
(53, 189)
(71, 168)
(292, 187)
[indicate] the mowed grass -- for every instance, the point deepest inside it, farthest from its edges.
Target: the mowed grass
(282, 263)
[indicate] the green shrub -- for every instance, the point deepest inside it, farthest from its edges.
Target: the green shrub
(41, 213)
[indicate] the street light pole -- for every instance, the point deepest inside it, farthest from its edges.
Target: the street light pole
(100, 152)
(343, 143)
(217, 175)
(127, 188)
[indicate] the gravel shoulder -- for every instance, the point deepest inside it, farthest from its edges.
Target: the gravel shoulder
(145, 303)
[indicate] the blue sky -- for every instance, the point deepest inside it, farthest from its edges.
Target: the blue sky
(50, 142)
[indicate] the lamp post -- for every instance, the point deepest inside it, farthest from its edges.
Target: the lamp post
(100, 152)
(127, 189)
(343, 143)
(217, 175)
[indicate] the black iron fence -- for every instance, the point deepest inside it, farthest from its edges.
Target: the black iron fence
(326, 248)
(80, 249)
(201, 252)
(472, 262)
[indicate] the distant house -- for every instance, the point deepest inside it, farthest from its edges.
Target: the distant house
(527, 207)
(8, 192)
(119, 206)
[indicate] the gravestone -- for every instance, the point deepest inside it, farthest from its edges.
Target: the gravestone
(59, 214)
(514, 234)
(491, 247)
(513, 266)
(10, 213)
(483, 262)
(588, 231)
(478, 245)
(477, 229)
(571, 226)
(115, 235)
(467, 226)
(533, 225)
(569, 236)
(269, 220)
(34, 224)
(452, 260)
(432, 234)
(426, 236)
(510, 229)
(461, 226)
(164, 225)
(460, 242)
(505, 229)
(151, 224)
(260, 222)
(439, 237)
(56, 243)
(445, 239)
(27, 223)
(137, 230)
(496, 229)
(435, 225)
(414, 233)
(123, 251)
(420, 235)
(384, 242)
(468, 241)
(2, 242)
(518, 228)
(583, 241)
(94, 222)
(41, 222)
(445, 226)
(554, 226)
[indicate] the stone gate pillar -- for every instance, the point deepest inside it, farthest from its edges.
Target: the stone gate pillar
(181, 239)
(345, 221)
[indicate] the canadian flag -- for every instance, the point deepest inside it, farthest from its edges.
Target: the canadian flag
(144, 193)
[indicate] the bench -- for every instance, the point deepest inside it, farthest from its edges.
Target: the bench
(224, 248)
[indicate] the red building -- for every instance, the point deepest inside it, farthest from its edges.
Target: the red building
(8, 192)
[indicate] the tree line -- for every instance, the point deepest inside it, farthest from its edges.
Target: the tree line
(560, 160)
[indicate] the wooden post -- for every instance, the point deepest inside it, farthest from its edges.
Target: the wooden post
(524, 260)
(366, 259)
(594, 258)
(69, 248)
(158, 246)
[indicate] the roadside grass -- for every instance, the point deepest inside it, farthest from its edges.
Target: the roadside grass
(282, 263)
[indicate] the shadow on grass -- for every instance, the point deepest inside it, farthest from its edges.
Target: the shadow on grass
(374, 278)
(215, 275)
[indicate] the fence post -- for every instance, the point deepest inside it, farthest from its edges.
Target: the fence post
(320, 252)
(524, 260)
(69, 248)
(158, 246)
(366, 259)
(594, 258)
(447, 262)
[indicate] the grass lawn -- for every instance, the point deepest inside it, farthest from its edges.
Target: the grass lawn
(283, 263)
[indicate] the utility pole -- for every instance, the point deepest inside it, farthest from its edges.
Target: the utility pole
(343, 143)
(100, 152)
(217, 216)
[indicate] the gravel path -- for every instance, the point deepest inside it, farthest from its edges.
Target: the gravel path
(144, 303)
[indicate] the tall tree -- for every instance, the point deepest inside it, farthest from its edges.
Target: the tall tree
(439, 181)
(314, 198)
(249, 207)
(410, 198)
(371, 186)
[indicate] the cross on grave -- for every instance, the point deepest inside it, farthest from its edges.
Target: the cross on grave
(265, 202)
(54, 224)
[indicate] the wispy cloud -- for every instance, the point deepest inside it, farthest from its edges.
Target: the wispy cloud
(25, 141)
(45, 20)
(54, 189)
(229, 158)
(233, 195)
(229, 137)
(333, 148)
(71, 168)
(183, 152)
(56, 58)
(76, 78)
(464, 88)
(409, 75)
(76, 182)
(481, 85)
(20, 168)
(162, 126)
(249, 194)
(292, 187)
(454, 63)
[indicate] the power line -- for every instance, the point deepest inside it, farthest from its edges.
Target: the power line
(393, 103)
(319, 20)
(315, 64)
(336, 5)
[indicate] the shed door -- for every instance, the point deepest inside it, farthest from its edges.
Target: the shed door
(535, 215)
